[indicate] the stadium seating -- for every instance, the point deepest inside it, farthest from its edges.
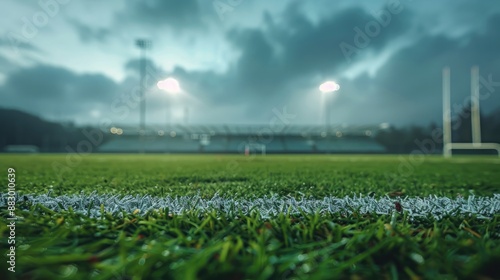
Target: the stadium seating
(298, 145)
(235, 139)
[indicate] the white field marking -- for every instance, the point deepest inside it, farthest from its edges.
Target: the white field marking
(268, 206)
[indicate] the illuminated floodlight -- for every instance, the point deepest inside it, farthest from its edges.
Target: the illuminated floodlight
(385, 125)
(329, 87)
(325, 88)
(170, 85)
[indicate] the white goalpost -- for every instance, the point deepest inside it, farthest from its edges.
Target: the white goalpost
(448, 144)
(254, 148)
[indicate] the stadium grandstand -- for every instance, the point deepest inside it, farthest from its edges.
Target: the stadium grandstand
(243, 139)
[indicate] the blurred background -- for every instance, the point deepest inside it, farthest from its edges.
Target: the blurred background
(240, 76)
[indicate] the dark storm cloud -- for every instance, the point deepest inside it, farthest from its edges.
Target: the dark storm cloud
(89, 34)
(298, 48)
(176, 13)
(179, 15)
(282, 58)
(408, 86)
(415, 68)
(46, 90)
(312, 47)
(133, 65)
(258, 67)
(406, 89)
(49, 82)
(273, 59)
(471, 11)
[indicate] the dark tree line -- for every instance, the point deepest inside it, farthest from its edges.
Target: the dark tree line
(407, 139)
(19, 128)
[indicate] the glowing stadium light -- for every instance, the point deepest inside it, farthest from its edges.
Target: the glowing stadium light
(170, 85)
(329, 87)
(385, 125)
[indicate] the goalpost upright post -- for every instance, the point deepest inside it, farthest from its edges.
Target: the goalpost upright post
(446, 113)
(475, 116)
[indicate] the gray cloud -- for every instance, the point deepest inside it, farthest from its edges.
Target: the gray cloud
(408, 86)
(175, 13)
(308, 47)
(297, 48)
(151, 14)
(274, 60)
(51, 91)
(89, 34)
(406, 89)
(15, 43)
(278, 61)
(134, 64)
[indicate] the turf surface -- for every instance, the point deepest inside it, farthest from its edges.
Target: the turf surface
(165, 244)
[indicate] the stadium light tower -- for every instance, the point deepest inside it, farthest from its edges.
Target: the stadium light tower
(171, 86)
(326, 88)
(143, 45)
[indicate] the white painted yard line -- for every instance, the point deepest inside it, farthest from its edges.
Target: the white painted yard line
(483, 207)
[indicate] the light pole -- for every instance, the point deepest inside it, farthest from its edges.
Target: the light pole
(143, 45)
(326, 88)
(171, 86)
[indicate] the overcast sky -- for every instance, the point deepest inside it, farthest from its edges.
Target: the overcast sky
(241, 61)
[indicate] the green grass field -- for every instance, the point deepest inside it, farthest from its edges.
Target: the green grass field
(164, 244)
